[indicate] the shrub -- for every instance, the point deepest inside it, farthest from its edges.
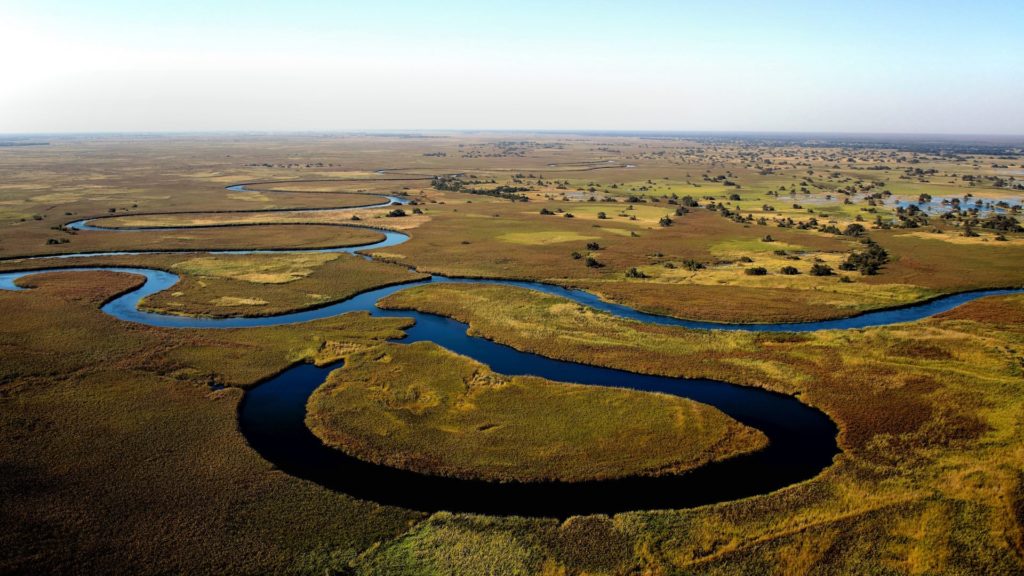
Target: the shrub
(854, 230)
(756, 271)
(634, 273)
(821, 270)
(396, 213)
(593, 263)
(868, 261)
(789, 270)
(593, 246)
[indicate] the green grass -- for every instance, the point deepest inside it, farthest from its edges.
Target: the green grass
(423, 408)
(929, 417)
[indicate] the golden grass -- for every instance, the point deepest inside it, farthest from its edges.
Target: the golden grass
(118, 458)
(929, 417)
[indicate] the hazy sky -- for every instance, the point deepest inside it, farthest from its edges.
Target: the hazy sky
(865, 66)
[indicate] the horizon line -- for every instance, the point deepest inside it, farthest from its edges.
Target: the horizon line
(545, 131)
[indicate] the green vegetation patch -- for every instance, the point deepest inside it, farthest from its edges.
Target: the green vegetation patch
(267, 269)
(423, 408)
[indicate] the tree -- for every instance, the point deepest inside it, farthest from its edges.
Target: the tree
(854, 230)
(819, 269)
(868, 261)
(602, 216)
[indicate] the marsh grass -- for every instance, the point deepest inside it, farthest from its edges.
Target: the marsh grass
(424, 408)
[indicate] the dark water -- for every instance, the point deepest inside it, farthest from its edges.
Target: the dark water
(802, 441)
(272, 415)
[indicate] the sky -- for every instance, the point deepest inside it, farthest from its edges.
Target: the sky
(937, 67)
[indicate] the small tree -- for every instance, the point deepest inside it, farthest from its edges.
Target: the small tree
(819, 269)
(855, 230)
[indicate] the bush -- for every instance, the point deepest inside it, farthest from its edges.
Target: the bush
(593, 263)
(593, 246)
(693, 265)
(821, 270)
(634, 273)
(789, 271)
(665, 221)
(546, 212)
(756, 271)
(396, 213)
(854, 230)
(867, 262)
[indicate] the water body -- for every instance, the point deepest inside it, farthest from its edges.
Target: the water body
(802, 440)
(984, 206)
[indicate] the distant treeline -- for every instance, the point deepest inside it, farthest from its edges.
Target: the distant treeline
(10, 143)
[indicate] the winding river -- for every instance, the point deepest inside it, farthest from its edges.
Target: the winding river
(802, 440)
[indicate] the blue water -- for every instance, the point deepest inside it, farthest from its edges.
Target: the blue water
(987, 205)
(802, 440)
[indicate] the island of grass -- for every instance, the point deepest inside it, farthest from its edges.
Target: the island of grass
(265, 284)
(420, 407)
